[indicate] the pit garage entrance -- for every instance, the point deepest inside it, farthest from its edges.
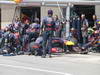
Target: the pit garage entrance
(30, 13)
(88, 10)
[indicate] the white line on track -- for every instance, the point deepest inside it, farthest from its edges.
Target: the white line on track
(34, 69)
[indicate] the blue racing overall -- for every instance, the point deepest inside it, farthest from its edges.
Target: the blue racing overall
(49, 27)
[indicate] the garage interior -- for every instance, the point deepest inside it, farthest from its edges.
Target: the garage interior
(31, 13)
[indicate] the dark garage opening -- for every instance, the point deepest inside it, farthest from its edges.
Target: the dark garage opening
(31, 13)
(88, 10)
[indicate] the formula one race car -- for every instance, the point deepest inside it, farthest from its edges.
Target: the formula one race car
(58, 45)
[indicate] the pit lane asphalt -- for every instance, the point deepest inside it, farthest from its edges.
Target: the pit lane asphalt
(64, 64)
